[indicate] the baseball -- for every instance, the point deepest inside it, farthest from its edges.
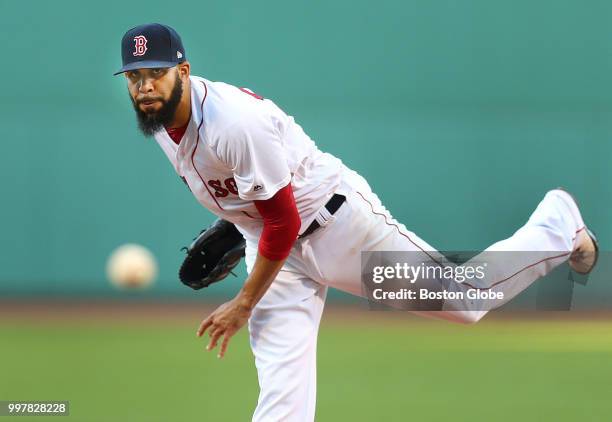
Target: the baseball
(131, 266)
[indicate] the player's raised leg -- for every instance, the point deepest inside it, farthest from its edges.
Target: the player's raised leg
(549, 238)
(363, 224)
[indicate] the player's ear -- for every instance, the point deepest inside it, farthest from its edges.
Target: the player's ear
(184, 69)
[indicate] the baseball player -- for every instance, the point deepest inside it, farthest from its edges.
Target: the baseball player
(305, 216)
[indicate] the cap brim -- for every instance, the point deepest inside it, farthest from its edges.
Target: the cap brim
(145, 64)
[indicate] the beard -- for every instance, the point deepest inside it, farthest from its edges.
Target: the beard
(149, 123)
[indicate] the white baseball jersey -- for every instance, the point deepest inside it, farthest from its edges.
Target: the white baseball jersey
(239, 147)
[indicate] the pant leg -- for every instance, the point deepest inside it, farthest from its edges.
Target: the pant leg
(283, 332)
(545, 241)
(364, 224)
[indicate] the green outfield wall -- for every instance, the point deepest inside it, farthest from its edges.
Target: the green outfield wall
(461, 114)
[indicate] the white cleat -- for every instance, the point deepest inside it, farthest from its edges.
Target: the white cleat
(584, 256)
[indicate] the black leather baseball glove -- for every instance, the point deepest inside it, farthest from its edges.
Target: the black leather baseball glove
(212, 255)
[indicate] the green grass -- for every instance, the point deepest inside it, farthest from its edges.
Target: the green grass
(375, 370)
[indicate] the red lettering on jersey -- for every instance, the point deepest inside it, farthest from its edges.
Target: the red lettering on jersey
(140, 46)
(251, 93)
(230, 184)
(220, 191)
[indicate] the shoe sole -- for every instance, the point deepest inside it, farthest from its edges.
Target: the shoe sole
(589, 232)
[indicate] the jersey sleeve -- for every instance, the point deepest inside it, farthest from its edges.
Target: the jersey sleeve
(254, 151)
(281, 224)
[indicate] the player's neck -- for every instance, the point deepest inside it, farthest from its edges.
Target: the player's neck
(183, 110)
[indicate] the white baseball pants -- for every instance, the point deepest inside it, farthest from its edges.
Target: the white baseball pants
(284, 325)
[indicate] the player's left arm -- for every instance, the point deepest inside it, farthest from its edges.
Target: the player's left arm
(253, 150)
(230, 317)
(281, 226)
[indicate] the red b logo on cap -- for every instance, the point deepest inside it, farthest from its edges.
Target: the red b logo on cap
(140, 45)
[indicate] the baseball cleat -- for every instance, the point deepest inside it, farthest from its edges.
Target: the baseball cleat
(584, 257)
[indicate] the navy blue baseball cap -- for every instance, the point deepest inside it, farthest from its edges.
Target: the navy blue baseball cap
(151, 46)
